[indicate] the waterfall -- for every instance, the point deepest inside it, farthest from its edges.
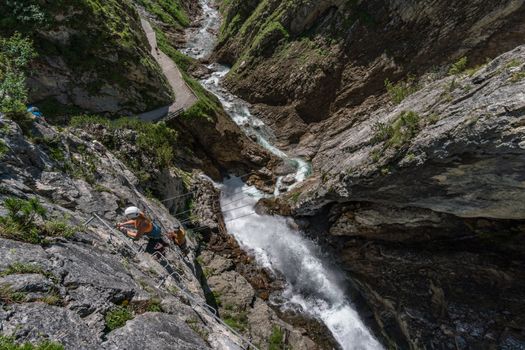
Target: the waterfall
(313, 285)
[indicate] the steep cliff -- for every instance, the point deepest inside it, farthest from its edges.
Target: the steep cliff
(415, 133)
(88, 286)
(308, 61)
(93, 57)
(425, 209)
(77, 283)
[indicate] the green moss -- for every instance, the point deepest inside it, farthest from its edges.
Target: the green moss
(22, 268)
(295, 197)
(54, 147)
(117, 317)
(217, 296)
(236, 320)
(8, 343)
(154, 306)
(183, 62)
(3, 149)
(517, 77)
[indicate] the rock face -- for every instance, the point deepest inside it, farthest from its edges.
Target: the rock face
(65, 289)
(422, 205)
(461, 154)
(306, 62)
(161, 331)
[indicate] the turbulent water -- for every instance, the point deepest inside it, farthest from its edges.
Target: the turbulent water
(313, 285)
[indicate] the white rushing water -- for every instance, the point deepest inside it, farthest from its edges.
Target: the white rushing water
(313, 285)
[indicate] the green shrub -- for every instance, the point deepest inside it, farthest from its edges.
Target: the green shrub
(18, 14)
(117, 317)
(60, 228)
(8, 343)
(19, 224)
(399, 132)
(459, 67)
(154, 306)
(156, 140)
(402, 89)
(276, 340)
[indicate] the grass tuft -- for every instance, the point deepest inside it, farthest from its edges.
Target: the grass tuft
(8, 343)
(276, 340)
(117, 317)
(402, 89)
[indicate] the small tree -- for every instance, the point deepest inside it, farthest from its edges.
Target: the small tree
(20, 220)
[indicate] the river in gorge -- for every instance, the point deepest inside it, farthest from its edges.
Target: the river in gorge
(313, 284)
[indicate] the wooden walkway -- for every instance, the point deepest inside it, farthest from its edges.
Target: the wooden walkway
(184, 96)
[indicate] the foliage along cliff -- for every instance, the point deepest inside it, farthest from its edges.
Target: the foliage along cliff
(305, 62)
(92, 56)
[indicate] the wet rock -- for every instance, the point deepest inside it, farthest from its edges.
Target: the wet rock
(282, 188)
(289, 179)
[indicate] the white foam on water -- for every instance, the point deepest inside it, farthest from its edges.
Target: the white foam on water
(313, 284)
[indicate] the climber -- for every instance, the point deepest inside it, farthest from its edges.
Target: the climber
(138, 225)
(178, 236)
(35, 112)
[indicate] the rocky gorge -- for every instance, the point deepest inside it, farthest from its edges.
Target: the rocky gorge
(412, 115)
(391, 136)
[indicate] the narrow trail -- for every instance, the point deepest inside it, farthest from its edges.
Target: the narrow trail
(184, 96)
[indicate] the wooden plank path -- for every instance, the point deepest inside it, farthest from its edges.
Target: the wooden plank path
(184, 96)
